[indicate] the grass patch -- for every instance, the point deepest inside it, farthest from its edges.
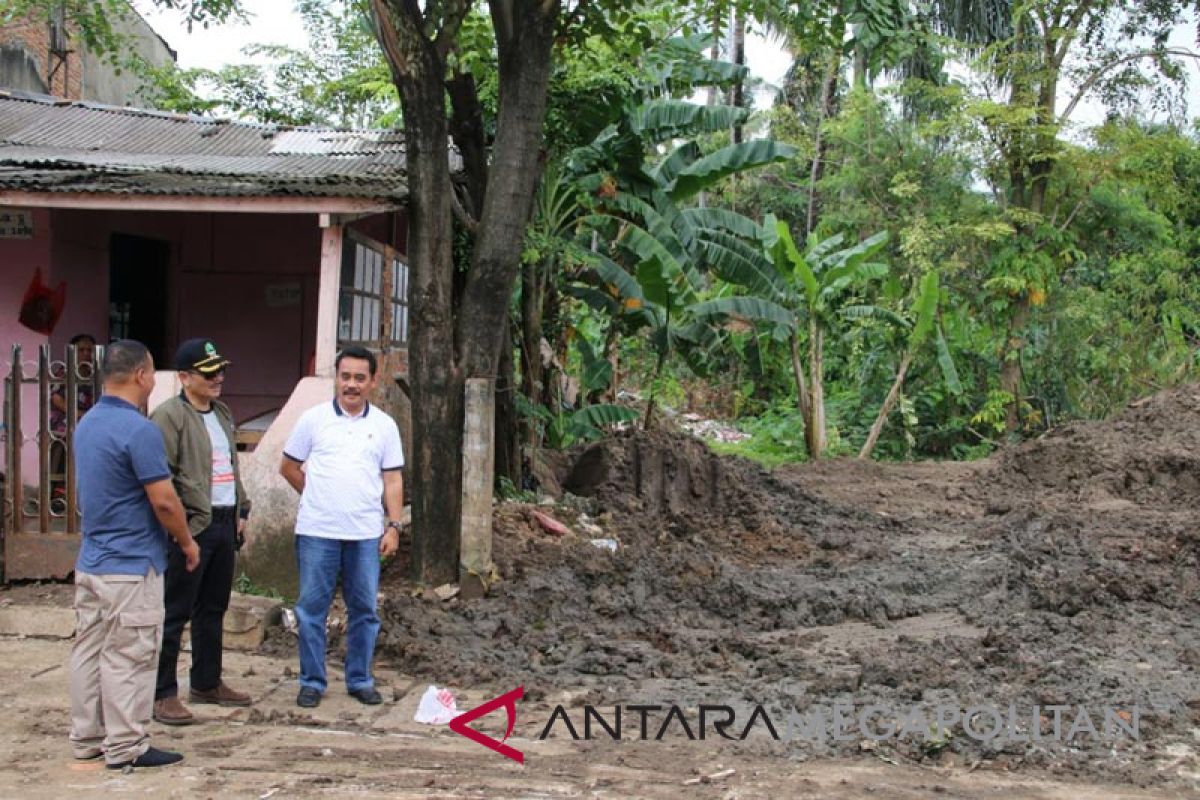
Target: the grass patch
(776, 437)
(245, 584)
(267, 566)
(766, 457)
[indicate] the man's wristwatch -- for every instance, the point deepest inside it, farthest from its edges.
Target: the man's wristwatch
(392, 523)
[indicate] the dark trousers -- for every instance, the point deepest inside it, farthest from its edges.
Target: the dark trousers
(200, 597)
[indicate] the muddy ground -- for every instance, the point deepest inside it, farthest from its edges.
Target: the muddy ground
(1060, 572)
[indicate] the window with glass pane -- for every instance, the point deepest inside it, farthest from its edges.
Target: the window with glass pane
(399, 300)
(360, 309)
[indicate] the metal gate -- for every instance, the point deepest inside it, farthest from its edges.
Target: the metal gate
(41, 520)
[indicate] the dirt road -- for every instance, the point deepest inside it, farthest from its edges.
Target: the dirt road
(345, 750)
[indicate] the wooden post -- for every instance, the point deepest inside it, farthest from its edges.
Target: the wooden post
(386, 291)
(327, 296)
(475, 559)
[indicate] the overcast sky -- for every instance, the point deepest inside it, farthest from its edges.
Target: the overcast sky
(275, 22)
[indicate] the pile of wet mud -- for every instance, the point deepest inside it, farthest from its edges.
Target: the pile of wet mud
(1065, 571)
(704, 548)
(1149, 454)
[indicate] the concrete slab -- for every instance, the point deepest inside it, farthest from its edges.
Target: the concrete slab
(248, 618)
(22, 620)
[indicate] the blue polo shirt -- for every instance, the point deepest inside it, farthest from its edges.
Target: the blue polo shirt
(117, 452)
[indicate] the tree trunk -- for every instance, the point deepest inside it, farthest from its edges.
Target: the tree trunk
(650, 404)
(449, 343)
(1010, 368)
(552, 375)
(437, 380)
(886, 408)
(816, 368)
(1030, 157)
(715, 51)
(507, 432)
(612, 355)
(826, 111)
(859, 79)
(466, 126)
(532, 298)
(737, 95)
(525, 37)
(803, 399)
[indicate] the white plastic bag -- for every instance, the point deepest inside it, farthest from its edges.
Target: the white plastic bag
(437, 707)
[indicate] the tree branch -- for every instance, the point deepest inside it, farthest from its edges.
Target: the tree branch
(447, 37)
(1084, 195)
(468, 222)
(576, 14)
(1071, 27)
(1047, 23)
(388, 38)
(466, 128)
(1095, 77)
(502, 19)
(1071, 217)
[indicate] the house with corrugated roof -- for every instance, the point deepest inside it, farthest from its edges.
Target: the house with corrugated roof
(281, 244)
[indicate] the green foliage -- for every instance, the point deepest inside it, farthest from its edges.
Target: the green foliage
(776, 438)
(92, 21)
(245, 584)
(339, 80)
(563, 428)
(644, 275)
(509, 492)
(994, 409)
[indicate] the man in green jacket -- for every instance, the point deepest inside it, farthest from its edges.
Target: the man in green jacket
(201, 449)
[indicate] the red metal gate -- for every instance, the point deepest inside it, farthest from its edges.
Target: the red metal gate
(41, 520)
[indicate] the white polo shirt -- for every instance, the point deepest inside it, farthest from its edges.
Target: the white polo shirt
(344, 460)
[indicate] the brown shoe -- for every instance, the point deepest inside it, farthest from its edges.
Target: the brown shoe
(172, 711)
(221, 696)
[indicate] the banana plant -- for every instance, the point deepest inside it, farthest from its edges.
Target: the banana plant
(640, 210)
(920, 325)
(654, 293)
(800, 295)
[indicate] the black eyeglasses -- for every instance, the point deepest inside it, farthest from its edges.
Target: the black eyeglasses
(209, 376)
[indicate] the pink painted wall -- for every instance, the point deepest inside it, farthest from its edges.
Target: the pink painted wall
(247, 281)
(18, 260)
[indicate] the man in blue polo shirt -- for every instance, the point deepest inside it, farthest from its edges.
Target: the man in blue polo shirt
(351, 457)
(126, 497)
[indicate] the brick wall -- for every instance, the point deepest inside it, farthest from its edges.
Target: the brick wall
(25, 61)
(33, 37)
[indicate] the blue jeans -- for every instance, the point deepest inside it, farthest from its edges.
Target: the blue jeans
(320, 560)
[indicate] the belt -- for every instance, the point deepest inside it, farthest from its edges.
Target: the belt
(222, 513)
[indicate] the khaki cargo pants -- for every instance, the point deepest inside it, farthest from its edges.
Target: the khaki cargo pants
(118, 632)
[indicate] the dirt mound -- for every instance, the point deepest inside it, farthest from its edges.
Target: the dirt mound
(1064, 571)
(656, 482)
(704, 544)
(1147, 455)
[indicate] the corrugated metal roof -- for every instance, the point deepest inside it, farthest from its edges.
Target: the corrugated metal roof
(47, 144)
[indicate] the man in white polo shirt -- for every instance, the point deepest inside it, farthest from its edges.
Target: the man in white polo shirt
(344, 458)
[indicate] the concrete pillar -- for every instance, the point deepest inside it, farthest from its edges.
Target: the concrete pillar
(475, 560)
(327, 297)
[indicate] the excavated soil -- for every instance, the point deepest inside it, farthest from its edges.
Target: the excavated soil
(1062, 571)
